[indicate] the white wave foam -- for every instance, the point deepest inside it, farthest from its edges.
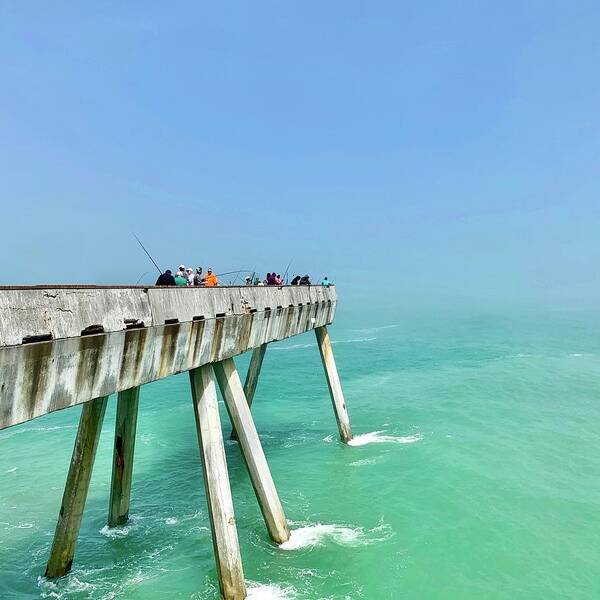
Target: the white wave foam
(115, 533)
(364, 461)
(328, 439)
(355, 341)
(371, 330)
(12, 470)
(312, 536)
(293, 346)
(377, 437)
(312, 345)
(261, 591)
(41, 429)
(182, 518)
(58, 589)
(315, 535)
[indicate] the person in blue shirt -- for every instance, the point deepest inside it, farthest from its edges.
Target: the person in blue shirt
(326, 282)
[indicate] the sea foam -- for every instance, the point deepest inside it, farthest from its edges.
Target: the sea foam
(379, 437)
(319, 534)
(260, 591)
(316, 535)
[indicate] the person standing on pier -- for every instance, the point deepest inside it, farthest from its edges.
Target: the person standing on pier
(211, 279)
(181, 279)
(190, 276)
(198, 279)
(166, 278)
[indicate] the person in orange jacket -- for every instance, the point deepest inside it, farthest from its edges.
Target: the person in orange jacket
(210, 279)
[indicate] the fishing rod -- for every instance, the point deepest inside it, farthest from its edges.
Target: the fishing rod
(231, 272)
(142, 275)
(287, 269)
(146, 251)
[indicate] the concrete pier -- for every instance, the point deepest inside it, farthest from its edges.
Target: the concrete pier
(216, 483)
(252, 451)
(251, 381)
(76, 488)
(122, 471)
(66, 345)
(333, 382)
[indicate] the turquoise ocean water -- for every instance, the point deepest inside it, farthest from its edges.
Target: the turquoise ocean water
(475, 474)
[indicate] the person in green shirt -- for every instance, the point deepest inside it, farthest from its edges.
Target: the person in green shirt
(180, 280)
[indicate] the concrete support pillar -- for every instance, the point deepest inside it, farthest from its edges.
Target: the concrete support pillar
(120, 489)
(258, 355)
(76, 488)
(216, 481)
(333, 381)
(252, 451)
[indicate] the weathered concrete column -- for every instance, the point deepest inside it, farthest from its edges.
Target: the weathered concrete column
(216, 482)
(333, 381)
(120, 489)
(252, 451)
(76, 488)
(258, 355)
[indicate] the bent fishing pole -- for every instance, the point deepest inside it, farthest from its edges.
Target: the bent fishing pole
(141, 276)
(231, 272)
(287, 269)
(146, 251)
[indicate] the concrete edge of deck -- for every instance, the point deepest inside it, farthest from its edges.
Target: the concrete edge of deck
(57, 312)
(41, 377)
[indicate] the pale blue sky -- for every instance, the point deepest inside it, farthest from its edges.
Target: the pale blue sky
(440, 151)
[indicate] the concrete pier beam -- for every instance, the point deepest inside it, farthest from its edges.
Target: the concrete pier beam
(216, 481)
(252, 451)
(251, 381)
(120, 489)
(76, 487)
(333, 382)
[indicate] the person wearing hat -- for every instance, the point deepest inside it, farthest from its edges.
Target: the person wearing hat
(248, 280)
(181, 278)
(198, 279)
(190, 275)
(210, 279)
